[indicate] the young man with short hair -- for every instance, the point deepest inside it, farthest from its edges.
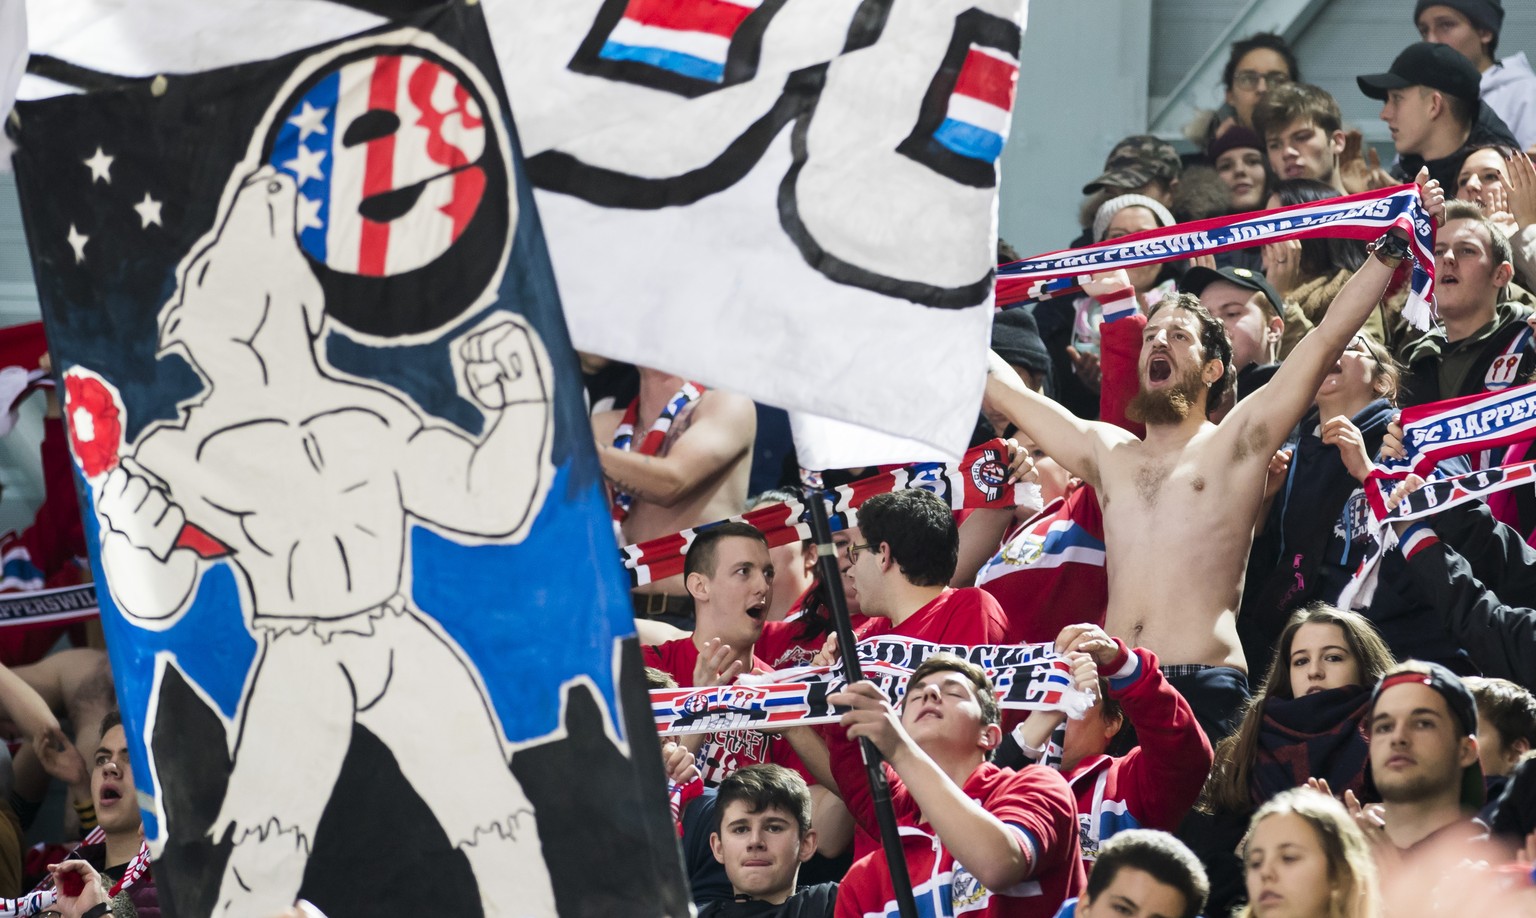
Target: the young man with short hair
(903, 567)
(1506, 727)
(730, 578)
(1303, 133)
(1142, 873)
(1423, 749)
(1480, 345)
(117, 814)
(979, 840)
(762, 835)
(1432, 108)
(1472, 28)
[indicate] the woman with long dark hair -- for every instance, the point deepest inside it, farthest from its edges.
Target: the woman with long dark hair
(1305, 719)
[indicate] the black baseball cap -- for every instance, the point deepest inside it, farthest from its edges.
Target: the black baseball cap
(1426, 64)
(1196, 279)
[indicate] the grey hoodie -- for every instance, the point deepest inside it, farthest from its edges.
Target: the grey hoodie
(1509, 88)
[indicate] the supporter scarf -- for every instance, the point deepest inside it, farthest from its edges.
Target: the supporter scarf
(678, 798)
(624, 435)
(979, 481)
(1435, 432)
(1358, 216)
(1027, 677)
(1314, 736)
(33, 608)
(1457, 427)
(45, 896)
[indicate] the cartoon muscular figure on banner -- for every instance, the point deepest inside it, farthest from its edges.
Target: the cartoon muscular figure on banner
(375, 170)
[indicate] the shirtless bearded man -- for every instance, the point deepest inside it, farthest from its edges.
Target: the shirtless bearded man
(1179, 506)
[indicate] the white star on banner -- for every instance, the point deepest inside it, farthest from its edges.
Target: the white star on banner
(309, 121)
(100, 166)
(309, 213)
(305, 165)
(149, 211)
(77, 241)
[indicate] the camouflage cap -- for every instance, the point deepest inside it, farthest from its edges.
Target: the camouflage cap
(1136, 161)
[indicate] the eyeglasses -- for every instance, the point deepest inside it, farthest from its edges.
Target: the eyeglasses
(1249, 79)
(853, 551)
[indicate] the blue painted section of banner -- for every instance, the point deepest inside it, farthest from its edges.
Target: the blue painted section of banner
(969, 140)
(682, 64)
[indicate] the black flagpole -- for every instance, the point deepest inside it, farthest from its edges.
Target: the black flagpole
(879, 790)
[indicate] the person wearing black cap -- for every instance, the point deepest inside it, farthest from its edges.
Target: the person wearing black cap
(1249, 308)
(1472, 28)
(1433, 111)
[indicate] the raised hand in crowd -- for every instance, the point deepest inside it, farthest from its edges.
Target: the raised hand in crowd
(1522, 191)
(1086, 366)
(1282, 265)
(1274, 478)
(1021, 466)
(1088, 649)
(1360, 168)
(678, 762)
(1092, 641)
(712, 668)
(1371, 818)
(1495, 204)
(1431, 195)
(62, 760)
(829, 653)
(1392, 441)
(91, 892)
(1341, 433)
(1399, 494)
(871, 716)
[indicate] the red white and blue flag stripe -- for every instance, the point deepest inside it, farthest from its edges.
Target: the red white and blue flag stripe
(398, 126)
(976, 123)
(691, 38)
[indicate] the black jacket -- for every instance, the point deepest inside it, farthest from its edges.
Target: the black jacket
(817, 901)
(1489, 128)
(1481, 581)
(1314, 537)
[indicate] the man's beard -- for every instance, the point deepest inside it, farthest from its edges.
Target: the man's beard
(1170, 405)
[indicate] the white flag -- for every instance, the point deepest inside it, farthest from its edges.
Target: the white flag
(790, 199)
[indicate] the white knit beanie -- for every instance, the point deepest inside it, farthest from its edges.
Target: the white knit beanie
(1113, 206)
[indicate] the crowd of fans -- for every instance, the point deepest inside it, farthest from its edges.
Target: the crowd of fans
(1273, 733)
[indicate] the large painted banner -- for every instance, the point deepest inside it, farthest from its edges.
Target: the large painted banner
(790, 199)
(358, 578)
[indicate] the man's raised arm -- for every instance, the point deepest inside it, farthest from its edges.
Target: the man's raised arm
(1266, 418)
(1070, 440)
(722, 431)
